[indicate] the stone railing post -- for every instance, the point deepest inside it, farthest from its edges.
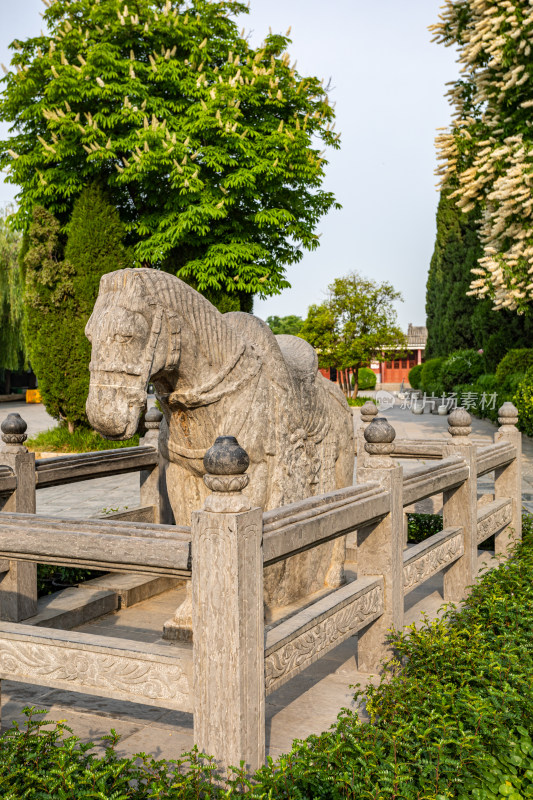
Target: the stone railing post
(150, 479)
(460, 508)
(18, 586)
(227, 614)
(380, 546)
(508, 479)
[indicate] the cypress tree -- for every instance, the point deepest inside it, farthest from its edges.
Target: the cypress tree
(456, 321)
(62, 280)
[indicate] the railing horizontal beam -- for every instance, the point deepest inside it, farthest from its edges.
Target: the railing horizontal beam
(8, 480)
(87, 466)
(423, 560)
(97, 665)
(301, 526)
(493, 517)
(418, 448)
(429, 480)
(98, 544)
(494, 456)
(299, 641)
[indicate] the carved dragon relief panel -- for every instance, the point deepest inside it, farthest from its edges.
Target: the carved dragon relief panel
(432, 562)
(303, 650)
(123, 676)
(494, 523)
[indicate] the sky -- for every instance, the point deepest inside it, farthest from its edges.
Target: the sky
(389, 88)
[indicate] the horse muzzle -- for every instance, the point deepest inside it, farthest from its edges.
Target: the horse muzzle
(114, 409)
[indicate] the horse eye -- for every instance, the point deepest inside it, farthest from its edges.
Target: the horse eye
(121, 337)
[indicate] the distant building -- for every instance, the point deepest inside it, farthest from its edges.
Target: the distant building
(397, 370)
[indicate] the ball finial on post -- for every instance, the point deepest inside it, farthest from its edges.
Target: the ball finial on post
(14, 433)
(225, 464)
(379, 438)
(460, 426)
(508, 414)
(368, 411)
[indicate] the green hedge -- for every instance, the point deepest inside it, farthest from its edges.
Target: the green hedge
(523, 400)
(415, 375)
(451, 718)
(367, 378)
(515, 361)
(464, 366)
(430, 376)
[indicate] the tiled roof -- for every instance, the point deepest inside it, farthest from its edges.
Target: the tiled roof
(417, 335)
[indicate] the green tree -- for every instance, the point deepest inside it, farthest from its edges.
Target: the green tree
(487, 153)
(210, 149)
(355, 325)
(290, 325)
(62, 280)
(11, 309)
(456, 320)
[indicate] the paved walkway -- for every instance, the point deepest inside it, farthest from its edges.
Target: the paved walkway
(307, 704)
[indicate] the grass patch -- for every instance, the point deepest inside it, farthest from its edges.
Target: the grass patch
(83, 440)
(359, 401)
(452, 718)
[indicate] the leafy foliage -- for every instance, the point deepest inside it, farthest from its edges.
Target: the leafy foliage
(523, 400)
(60, 294)
(355, 325)
(461, 367)
(486, 155)
(415, 375)
(11, 291)
(430, 376)
(210, 148)
(290, 325)
(515, 361)
(456, 320)
(366, 377)
(52, 578)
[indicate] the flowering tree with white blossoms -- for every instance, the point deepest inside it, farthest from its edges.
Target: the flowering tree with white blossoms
(487, 154)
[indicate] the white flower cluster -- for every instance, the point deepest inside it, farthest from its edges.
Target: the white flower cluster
(487, 156)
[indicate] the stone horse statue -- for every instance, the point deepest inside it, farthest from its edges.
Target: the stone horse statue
(217, 374)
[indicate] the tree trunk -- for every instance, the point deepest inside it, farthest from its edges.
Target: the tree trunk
(355, 380)
(70, 426)
(7, 381)
(342, 380)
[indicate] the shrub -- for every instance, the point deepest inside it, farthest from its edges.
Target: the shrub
(515, 361)
(415, 375)
(523, 400)
(430, 375)
(367, 378)
(462, 367)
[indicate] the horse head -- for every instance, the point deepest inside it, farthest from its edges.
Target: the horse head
(133, 338)
(149, 325)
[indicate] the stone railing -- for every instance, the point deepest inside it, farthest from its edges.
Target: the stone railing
(233, 662)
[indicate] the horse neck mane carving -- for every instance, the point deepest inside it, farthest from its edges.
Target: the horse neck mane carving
(215, 340)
